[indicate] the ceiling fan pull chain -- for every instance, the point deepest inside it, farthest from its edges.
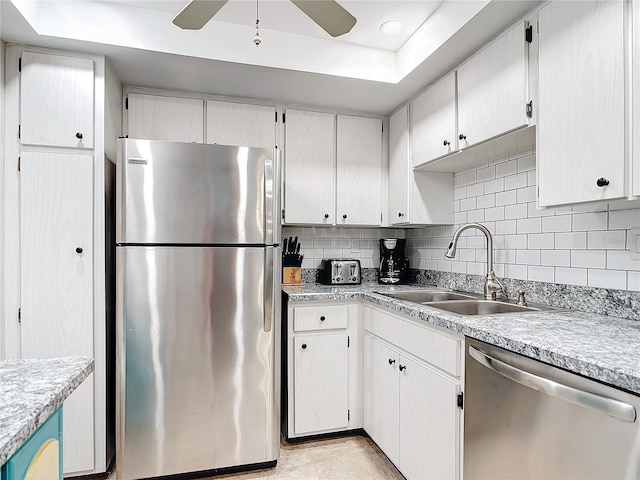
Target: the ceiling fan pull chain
(256, 39)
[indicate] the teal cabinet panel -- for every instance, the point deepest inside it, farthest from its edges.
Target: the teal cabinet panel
(37, 451)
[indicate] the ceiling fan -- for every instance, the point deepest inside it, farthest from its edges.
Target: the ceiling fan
(328, 14)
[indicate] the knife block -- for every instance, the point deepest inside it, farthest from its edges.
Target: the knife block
(291, 275)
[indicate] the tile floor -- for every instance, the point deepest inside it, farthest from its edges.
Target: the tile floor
(338, 458)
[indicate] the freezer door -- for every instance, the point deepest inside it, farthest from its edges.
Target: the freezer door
(197, 359)
(188, 193)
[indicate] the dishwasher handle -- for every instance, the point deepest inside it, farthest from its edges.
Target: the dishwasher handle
(614, 408)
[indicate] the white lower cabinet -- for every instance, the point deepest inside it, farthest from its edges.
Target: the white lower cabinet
(323, 370)
(412, 380)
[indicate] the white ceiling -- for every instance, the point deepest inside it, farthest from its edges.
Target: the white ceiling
(297, 62)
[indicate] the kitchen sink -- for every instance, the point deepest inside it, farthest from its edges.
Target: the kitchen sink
(422, 296)
(482, 307)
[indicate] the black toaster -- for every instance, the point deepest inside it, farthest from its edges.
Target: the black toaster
(335, 271)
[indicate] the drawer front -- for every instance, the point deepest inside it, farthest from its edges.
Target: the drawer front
(320, 318)
(439, 350)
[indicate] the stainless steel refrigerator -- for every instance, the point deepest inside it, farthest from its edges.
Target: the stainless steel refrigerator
(197, 308)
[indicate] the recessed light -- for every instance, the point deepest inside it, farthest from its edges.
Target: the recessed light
(391, 27)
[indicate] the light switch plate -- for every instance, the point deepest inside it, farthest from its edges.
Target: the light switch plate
(633, 243)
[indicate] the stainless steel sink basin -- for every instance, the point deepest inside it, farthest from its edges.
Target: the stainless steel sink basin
(422, 296)
(481, 307)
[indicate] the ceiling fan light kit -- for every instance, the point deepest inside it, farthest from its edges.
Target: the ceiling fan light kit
(327, 14)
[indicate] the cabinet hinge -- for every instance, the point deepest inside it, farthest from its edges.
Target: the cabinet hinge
(18, 163)
(537, 26)
(283, 214)
(529, 109)
(460, 400)
(126, 103)
(276, 117)
(283, 117)
(20, 64)
(19, 125)
(382, 127)
(348, 415)
(348, 341)
(19, 315)
(528, 33)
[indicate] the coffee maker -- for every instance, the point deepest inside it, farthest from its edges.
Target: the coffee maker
(394, 266)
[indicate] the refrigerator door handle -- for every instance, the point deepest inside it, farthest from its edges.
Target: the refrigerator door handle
(269, 202)
(269, 285)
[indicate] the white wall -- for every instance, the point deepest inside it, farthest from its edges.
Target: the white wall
(581, 246)
(2, 47)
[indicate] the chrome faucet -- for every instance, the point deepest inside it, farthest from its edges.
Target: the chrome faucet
(492, 285)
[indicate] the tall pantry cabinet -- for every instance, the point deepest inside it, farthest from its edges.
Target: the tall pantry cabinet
(61, 122)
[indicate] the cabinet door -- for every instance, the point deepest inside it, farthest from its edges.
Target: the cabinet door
(172, 119)
(309, 171)
(359, 170)
(381, 396)
(56, 100)
(635, 65)
(434, 121)
(493, 89)
(241, 124)
(399, 167)
(429, 423)
(56, 283)
(320, 382)
(581, 119)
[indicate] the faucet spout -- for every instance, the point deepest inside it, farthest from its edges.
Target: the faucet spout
(492, 285)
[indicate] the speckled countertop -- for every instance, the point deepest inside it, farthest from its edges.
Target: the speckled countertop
(30, 391)
(601, 347)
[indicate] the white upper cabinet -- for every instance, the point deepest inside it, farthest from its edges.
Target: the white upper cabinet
(434, 121)
(241, 124)
(635, 86)
(581, 116)
(172, 119)
(56, 100)
(493, 89)
(309, 167)
(359, 170)
(415, 198)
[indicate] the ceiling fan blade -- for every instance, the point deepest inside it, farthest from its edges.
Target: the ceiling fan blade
(197, 13)
(328, 14)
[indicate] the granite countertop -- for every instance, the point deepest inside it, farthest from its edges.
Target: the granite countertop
(30, 391)
(596, 346)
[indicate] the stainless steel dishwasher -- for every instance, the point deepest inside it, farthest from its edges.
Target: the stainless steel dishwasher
(524, 419)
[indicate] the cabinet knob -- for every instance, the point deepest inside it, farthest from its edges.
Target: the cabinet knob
(402, 367)
(326, 215)
(446, 142)
(400, 214)
(391, 361)
(79, 135)
(322, 318)
(79, 250)
(462, 137)
(344, 216)
(304, 346)
(602, 182)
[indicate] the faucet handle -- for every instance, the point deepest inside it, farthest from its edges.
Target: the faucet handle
(521, 299)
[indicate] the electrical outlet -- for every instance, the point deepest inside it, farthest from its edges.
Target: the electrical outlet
(355, 245)
(633, 243)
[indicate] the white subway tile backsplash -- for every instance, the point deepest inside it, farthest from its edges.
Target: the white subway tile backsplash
(508, 197)
(515, 211)
(493, 186)
(506, 226)
(571, 276)
(487, 173)
(506, 168)
(607, 279)
(467, 204)
(468, 178)
(541, 274)
(624, 219)
(527, 194)
(486, 201)
(460, 218)
(607, 239)
(534, 211)
(529, 225)
(528, 257)
(531, 178)
(475, 190)
(574, 240)
(559, 223)
(459, 267)
(444, 265)
(589, 221)
(621, 260)
(475, 216)
(541, 241)
(493, 214)
(527, 163)
(466, 255)
(633, 281)
(477, 242)
(512, 182)
(589, 258)
(555, 258)
(518, 242)
(460, 192)
(476, 268)
(518, 272)
(505, 256)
